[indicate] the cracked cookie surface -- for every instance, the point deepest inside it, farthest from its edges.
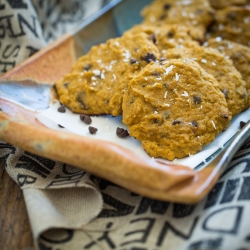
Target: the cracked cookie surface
(99, 79)
(232, 23)
(195, 14)
(239, 54)
(166, 36)
(222, 69)
(174, 108)
(219, 4)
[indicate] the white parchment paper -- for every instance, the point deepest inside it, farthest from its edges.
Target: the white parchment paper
(106, 125)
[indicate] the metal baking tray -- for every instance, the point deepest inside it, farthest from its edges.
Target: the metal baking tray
(27, 90)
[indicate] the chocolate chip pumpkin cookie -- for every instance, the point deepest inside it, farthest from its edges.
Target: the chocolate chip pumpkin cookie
(232, 23)
(174, 108)
(166, 36)
(195, 14)
(222, 69)
(239, 54)
(219, 4)
(99, 79)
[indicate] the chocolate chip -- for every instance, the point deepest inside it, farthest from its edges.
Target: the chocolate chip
(61, 109)
(121, 132)
(153, 38)
(133, 61)
(167, 6)
(200, 41)
(162, 17)
(60, 126)
(225, 115)
(212, 27)
(225, 92)
(195, 124)
(162, 59)
(242, 124)
(156, 74)
(79, 98)
(149, 57)
(87, 67)
(66, 85)
(92, 130)
(197, 100)
(86, 119)
(176, 122)
(198, 11)
(170, 34)
(232, 15)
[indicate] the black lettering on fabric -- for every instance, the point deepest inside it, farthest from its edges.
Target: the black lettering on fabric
(105, 237)
(207, 244)
(119, 208)
(17, 4)
(144, 233)
(11, 51)
(71, 171)
(230, 190)
(72, 177)
(167, 226)
(50, 7)
(24, 23)
(219, 213)
(181, 210)
(43, 247)
(49, 36)
(23, 179)
(64, 182)
(245, 189)
(6, 151)
(60, 236)
(7, 26)
(232, 167)
(5, 66)
(101, 183)
(2, 6)
(158, 207)
(247, 167)
(68, 178)
(36, 164)
(213, 195)
(46, 162)
(32, 50)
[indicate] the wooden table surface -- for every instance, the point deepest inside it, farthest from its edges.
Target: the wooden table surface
(15, 232)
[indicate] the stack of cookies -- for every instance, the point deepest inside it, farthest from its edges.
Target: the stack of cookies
(177, 79)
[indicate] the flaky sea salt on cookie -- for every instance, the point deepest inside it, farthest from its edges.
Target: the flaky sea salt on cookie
(222, 69)
(174, 108)
(232, 23)
(239, 54)
(195, 14)
(99, 79)
(166, 36)
(219, 4)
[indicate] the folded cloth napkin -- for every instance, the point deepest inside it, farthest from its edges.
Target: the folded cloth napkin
(71, 209)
